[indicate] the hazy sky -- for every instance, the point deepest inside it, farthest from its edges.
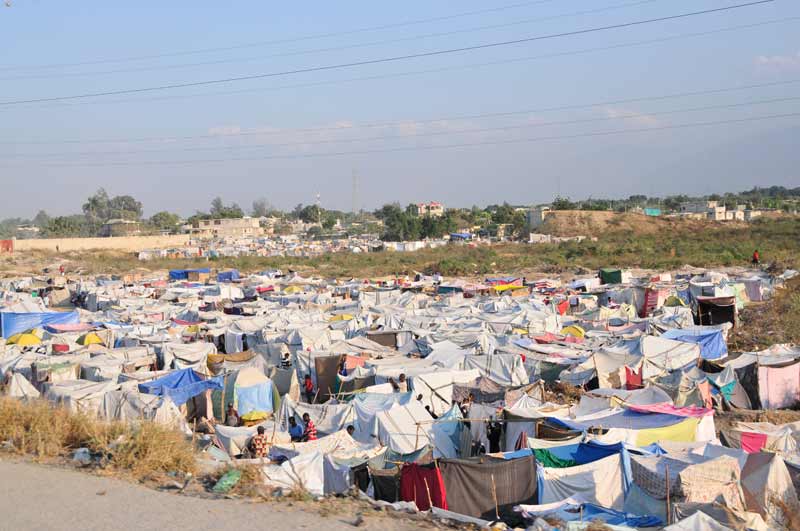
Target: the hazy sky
(288, 137)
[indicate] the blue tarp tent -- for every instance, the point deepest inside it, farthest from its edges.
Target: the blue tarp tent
(255, 398)
(183, 274)
(180, 385)
(712, 344)
(228, 276)
(13, 323)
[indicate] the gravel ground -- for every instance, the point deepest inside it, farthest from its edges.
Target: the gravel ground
(43, 497)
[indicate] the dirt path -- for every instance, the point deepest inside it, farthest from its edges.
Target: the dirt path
(47, 498)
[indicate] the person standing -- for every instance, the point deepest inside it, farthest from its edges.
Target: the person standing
(258, 444)
(308, 387)
(310, 432)
(756, 257)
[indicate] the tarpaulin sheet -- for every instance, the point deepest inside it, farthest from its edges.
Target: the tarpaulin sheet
(600, 482)
(254, 398)
(469, 485)
(712, 343)
(689, 411)
(180, 385)
(327, 369)
(685, 431)
(423, 485)
(183, 274)
(779, 387)
(14, 323)
(627, 419)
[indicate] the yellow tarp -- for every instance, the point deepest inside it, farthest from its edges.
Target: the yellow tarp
(684, 431)
(24, 340)
(573, 330)
(506, 287)
(90, 339)
(674, 300)
(341, 317)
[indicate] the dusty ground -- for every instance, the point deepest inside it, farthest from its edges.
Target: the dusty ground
(49, 498)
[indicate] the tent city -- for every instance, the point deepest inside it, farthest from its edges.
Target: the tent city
(452, 265)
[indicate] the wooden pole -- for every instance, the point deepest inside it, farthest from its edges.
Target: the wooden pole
(428, 490)
(494, 495)
(667, 500)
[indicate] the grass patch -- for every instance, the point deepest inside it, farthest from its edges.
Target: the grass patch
(144, 450)
(775, 321)
(670, 245)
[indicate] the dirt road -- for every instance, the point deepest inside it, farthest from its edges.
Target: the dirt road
(46, 498)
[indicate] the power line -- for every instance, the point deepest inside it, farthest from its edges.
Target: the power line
(424, 148)
(329, 49)
(421, 135)
(422, 72)
(284, 41)
(385, 59)
(620, 101)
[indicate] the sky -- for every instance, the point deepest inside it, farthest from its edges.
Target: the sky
(697, 104)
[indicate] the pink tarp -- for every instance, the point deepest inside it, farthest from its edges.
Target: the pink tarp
(688, 411)
(779, 387)
(70, 327)
(752, 443)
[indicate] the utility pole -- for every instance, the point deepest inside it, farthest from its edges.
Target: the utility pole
(354, 197)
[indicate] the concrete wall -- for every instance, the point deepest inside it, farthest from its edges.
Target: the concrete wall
(123, 243)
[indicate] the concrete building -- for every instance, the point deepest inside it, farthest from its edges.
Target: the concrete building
(226, 228)
(432, 209)
(714, 211)
(536, 216)
(120, 227)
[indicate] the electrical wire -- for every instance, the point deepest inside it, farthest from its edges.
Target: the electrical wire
(468, 66)
(382, 124)
(328, 49)
(416, 135)
(384, 59)
(421, 148)
(283, 41)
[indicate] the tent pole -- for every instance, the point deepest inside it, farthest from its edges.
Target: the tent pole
(666, 473)
(494, 496)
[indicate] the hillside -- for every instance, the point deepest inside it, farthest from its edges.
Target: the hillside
(596, 223)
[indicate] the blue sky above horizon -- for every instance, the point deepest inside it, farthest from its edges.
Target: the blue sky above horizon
(287, 138)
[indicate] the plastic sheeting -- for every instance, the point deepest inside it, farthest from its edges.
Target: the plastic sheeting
(14, 323)
(600, 482)
(180, 386)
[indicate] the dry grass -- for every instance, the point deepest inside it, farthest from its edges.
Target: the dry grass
(143, 451)
(767, 323)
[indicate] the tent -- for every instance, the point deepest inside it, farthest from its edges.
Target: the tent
(711, 341)
(180, 385)
(183, 274)
(13, 323)
(472, 484)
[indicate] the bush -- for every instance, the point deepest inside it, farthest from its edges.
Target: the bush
(42, 430)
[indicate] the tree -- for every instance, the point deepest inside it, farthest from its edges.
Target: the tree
(220, 211)
(125, 207)
(42, 219)
(261, 208)
(328, 221)
(96, 208)
(562, 203)
(63, 226)
(164, 220)
(310, 214)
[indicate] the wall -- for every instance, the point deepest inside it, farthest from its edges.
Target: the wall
(124, 243)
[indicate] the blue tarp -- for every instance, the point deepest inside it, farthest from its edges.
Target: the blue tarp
(13, 323)
(460, 236)
(254, 398)
(525, 452)
(228, 276)
(712, 344)
(627, 419)
(611, 517)
(180, 385)
(183, 274)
